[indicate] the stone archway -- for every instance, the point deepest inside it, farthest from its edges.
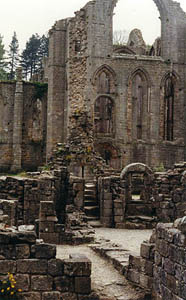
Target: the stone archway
(140, 208)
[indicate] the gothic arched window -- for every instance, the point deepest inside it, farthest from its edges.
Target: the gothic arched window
(103, 115)
(139, 106)
(169, 91)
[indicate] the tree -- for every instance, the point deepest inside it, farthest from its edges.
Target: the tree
(120, 37)
(32, 55)
(13, 56)
(3, 73)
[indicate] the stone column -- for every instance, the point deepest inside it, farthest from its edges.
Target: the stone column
(17, 127)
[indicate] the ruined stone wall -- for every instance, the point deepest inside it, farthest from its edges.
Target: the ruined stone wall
(22, 126)
(160, 197)
(160, 268)
(34, 125)
(7, 94)
(111, 195)
(151, 148)
(37, 271)
(169, 194)
(169, 263)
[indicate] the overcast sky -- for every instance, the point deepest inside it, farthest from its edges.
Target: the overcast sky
(27, 17)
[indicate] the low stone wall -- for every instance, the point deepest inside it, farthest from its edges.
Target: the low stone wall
(169, 276)
(112, 201)
(161, 268)
(37, 271)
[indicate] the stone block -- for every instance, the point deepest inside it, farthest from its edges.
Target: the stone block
(31, 296)
(50, 238)
(145, 281)
(147, 250)
(107, 212)
(7, 266)
(107, 196)
(83, 285)
(47, 207)
(69, 296)
(55, 267)
(22, 282)
(92, 296)
(77, 267)
(46, 226)
(168, 266)
(64, 284)
(51, 296)
(32, 266)
(118, 211)
(41, 283)
(44, 251)
(7, 251)
(133, 276)
(118, 219)
(22, 251)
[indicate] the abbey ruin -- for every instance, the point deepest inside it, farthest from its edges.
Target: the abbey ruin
(103, 138)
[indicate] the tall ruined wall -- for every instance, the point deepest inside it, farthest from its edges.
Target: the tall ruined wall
(57, 83)
(7, 94)
(34, 125)
(22, 125)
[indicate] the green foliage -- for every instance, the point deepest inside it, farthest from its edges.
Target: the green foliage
(32, 55)
(3, 64)
(13, 57)
(41, 89)
(8, 289)
(159, 168)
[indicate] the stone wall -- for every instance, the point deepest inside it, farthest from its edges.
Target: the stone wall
(141, 197)
(37, 271)
(160, 269)
(23, 125)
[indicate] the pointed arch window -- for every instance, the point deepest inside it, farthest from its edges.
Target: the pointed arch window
(169, 95)
(103, 115)
(139, 105)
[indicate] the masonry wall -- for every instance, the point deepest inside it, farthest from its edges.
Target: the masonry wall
(34, 125)
(37, 271)
(7, 94)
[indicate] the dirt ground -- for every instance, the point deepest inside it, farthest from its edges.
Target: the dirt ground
(106, 281)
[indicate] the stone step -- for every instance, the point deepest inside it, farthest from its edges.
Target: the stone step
(90, 197)
(116, 255)
(90, 203)
(91, 210)
(95, 224)
(89, 192)
(141, 218)
(91, 218)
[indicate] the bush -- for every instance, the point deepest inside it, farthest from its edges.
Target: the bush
(8, 289)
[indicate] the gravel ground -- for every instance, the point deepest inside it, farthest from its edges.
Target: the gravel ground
(106, 281)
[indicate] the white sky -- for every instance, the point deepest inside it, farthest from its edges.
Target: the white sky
(28, 17)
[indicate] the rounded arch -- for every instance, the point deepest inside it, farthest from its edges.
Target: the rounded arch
(110, 79)
(136, 167)
(124, 50)
(141, 71)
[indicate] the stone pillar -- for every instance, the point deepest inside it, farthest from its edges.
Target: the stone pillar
(56, 87)
(17, 126)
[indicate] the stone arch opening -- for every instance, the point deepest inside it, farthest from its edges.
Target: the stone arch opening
(138, 16)
(138, 180)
